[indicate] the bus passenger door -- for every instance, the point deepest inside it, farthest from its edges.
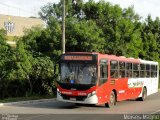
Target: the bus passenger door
(102, 85)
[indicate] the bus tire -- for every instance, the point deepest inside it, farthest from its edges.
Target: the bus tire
(144, 94)
(112, 100)
(78, 104)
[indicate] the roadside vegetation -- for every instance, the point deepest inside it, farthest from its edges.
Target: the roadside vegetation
(31, 67)
(33, 97)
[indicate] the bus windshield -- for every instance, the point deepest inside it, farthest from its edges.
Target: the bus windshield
(78, 73)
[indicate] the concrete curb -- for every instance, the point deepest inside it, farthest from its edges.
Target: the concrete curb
(28, 102)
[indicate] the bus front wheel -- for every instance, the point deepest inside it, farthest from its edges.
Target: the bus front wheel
(112, 100)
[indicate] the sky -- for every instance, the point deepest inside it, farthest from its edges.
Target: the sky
(29, 8)
(142, 7)
(25, 8)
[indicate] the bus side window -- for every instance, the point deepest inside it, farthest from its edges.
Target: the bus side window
(103, 71)
(136, 70)
(122, 70)
(156, 70)
(129, 70)
(148, 71)
(153, 71)
(114, 69)
(142, 70)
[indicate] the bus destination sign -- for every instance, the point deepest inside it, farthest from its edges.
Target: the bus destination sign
(77, 57)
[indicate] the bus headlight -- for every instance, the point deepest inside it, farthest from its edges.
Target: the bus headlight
(58, 91)
(91, 94)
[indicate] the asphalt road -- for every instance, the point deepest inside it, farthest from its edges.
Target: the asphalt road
(55, 110)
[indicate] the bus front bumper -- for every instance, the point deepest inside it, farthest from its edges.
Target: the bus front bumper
(88, 100)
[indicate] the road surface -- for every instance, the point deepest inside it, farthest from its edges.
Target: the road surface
(55, 110)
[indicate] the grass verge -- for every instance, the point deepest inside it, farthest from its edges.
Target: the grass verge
(32, 97)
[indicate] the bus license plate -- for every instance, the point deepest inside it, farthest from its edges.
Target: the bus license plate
(73, 99)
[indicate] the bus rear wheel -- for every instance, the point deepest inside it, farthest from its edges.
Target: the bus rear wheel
(112, 100)
(144, 94)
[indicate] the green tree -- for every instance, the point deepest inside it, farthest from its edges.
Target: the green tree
(38, 66)
(6, 65)
(121, 28)
(55, 10)
(84, 39)
(150, 36)
(5, 53)
(42, 76)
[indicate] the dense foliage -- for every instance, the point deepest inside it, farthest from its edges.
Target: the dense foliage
(92, 26)
(24, 71)
(103, 27)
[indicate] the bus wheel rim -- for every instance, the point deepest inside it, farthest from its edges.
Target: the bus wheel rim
(112, 99)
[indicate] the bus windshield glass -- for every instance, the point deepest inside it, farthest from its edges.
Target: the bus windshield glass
(78, 73)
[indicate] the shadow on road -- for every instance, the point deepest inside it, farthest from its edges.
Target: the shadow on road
(58, 105)
(123, 105)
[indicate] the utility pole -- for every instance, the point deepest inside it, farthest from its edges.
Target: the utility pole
(63, 28)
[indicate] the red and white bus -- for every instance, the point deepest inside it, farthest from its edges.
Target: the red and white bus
(94, 78)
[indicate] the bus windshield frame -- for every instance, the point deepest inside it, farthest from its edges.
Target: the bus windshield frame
(81, 73)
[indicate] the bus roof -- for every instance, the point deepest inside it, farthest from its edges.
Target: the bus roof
(114, 57)
(149, 62)
(82, 53)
